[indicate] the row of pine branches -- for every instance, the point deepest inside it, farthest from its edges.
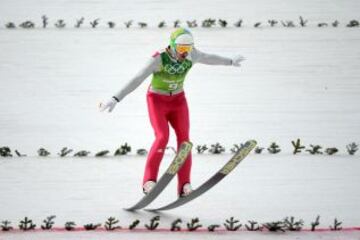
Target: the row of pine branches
(206, 23)
(230, 224)
(216, 148)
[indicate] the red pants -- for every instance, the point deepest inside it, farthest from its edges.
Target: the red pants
(162, 111)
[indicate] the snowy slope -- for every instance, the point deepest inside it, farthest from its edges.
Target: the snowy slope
(264, 188)
(296, 83)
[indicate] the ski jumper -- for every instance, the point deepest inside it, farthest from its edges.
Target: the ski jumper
(167, 104)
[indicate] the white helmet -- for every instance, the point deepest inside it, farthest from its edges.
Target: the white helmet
(185, 39)
(181, 36)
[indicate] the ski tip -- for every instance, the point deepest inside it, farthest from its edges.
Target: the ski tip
(130, 209)
(151, 210)
(187, 143)
(253, 141)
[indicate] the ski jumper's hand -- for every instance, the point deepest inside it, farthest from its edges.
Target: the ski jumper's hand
(237, 60)
(110, 105)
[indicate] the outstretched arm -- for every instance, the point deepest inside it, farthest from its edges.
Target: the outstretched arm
(152, 65)
(213, 59)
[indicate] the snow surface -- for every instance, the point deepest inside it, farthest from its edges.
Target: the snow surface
(264, 188)
(296, 83)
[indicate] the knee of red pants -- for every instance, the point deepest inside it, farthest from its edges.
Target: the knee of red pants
(161, 141)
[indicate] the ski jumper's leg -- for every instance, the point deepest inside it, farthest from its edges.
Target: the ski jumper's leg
(179, 120)
(158, 118)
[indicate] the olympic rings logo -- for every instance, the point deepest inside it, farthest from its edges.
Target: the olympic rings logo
(177, 68)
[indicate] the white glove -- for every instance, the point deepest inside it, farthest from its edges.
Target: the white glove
(109, 105)
(237, 60)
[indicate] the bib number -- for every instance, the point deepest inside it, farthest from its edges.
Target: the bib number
(173, 86)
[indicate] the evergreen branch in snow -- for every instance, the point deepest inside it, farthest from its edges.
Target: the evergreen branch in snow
(239, 23)
(335, 23)
(274, 148)
(194, 224)
(69, 226)
(322, 25)
(331, 151)
(27, 25)
(110, 224)
(303, 22)
(289, 24)
(128, 23)
(254, 226)
(212, 228)
(60, 24)
(154, 223)
(275, 226)
(141, 152)
(257, 25)
(6, 226)
(5, 152)
(192, 24)
(316, 223)
(231, 224)
(102, 153)
(95, 23)
(352, 148)
(175, 225)
(162, 24)
(45, 21)
(64, 151)
(201, 148)
(272, 22)
(336, 226)
(208, 23)
(42, 152)
(297, 146)
(27, 224)
(79, 22)
(123, 150)
(134, 224)
(111, 24)
(259, 150)
(142, 24)
(48, 223)
(223, 23)
(82, 153)
(177, 23)
(10, 25)
(293, 225)
(314, 149)
(91, 226)
(19, 154)
(353, 23)
(217, 148)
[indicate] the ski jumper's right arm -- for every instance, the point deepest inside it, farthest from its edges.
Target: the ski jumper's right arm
(152, 66)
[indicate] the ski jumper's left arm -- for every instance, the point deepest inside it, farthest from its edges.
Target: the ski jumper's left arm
(210, 59)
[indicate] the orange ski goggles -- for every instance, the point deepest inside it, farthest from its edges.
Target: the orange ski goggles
(183, 48)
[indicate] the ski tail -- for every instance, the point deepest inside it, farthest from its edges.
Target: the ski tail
(244, 150)
(176, 164)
